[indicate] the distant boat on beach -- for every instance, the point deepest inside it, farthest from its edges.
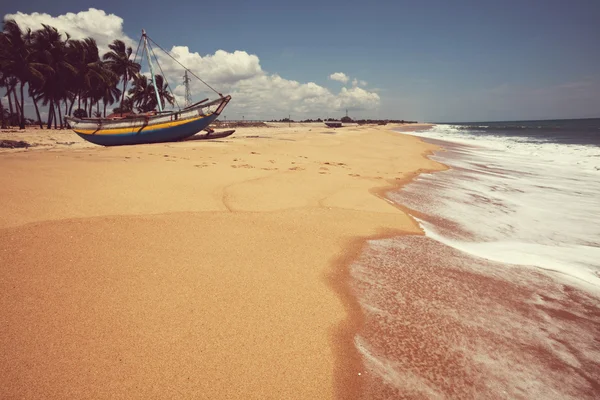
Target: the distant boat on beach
(334, 124)
(127, 128)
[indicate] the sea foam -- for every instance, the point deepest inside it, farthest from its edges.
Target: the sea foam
(499, 299)
(512, 200)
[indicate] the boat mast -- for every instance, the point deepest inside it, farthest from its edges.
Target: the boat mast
(160, 108)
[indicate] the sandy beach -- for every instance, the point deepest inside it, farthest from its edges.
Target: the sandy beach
(197, 269)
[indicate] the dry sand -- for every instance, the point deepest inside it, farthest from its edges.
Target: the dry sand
(198, 269)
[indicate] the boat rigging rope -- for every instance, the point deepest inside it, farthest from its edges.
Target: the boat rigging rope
(136, 50)
(196, 76)
(164, 76)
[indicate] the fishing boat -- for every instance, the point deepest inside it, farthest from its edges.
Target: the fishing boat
(152, 127)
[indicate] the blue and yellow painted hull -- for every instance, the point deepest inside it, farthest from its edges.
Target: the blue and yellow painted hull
(167, 132)
(168, 127)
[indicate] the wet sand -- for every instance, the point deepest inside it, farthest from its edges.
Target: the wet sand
(441, 324)
(212, 269)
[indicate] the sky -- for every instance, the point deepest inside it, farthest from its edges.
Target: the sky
(435, 61)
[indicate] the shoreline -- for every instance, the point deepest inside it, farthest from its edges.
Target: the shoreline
(438, 283)
(302, 193)
(340, 279)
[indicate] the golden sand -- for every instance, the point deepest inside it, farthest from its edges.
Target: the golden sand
(197, 269)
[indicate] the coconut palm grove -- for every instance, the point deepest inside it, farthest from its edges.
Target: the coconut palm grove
(69, 77)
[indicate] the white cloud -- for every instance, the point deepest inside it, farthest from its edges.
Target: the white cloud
(357, 99)
(222, 68)
(270, 96)
(340, 77)
(92, 23)
(256, 93)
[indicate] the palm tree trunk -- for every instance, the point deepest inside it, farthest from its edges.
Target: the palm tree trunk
(17, 106)
(123, 94)
(37, 111)
(50, 108)
(22, 123)
(104, 110)
(71, 106)
(2, 123)
(79, 99)
(66, 105)
(59, 116)
(10, 107)
(54, 115)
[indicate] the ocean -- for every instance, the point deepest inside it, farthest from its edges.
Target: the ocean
(501, 296)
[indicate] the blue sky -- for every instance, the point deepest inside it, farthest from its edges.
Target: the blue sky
(425, 60)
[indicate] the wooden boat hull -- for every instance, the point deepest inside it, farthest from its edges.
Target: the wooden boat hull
(168, 127)
(158, 134)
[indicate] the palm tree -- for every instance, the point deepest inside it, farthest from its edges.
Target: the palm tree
(13, 116)
(127, 106)
(104, 86)
(19, 60)
(52, 51)
(121, 64)
(92, 72)
(143, 94)
(108, 89)
(163, 91)
(139, 92)
(34, 91)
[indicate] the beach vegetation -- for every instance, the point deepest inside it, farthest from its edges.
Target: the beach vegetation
(120, 62)
(69, 77)
(80, 113)
(143, 94)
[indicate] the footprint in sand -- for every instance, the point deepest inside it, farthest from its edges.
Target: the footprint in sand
(242, 166)
(323, 169)
(354, 175)
(296, 169)
(254, 152)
